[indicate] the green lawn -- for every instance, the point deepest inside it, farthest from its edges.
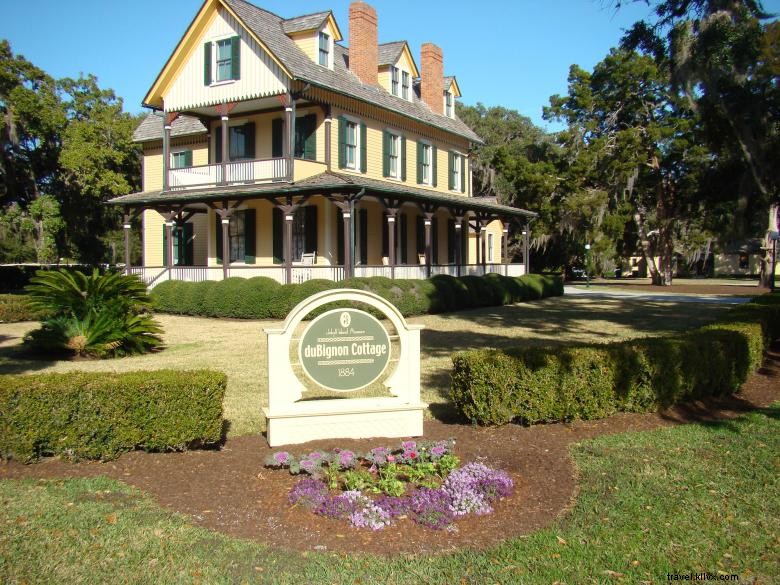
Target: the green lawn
(695, 498)
(238, 347)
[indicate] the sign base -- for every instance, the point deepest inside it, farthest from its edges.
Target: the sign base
(363, 418)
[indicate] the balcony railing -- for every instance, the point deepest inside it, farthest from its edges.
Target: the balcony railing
(153, 275)
(231, 173)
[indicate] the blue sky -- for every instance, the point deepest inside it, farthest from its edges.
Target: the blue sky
(514, 53)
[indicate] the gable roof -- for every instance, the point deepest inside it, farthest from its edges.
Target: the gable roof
(151, 127)
(390, 52)
(268, 27)
(305, 22)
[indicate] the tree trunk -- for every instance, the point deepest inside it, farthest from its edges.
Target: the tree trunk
(767, 261)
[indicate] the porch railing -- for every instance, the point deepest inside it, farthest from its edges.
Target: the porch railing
(153, 275)
(242, 171)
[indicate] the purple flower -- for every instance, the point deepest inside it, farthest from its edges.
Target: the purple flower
(378, 455)
(310, 466)
(316, 456)
(282, 458)
(338, 507)
(346, 459)
(394, 506)
(409, 445)
(309, 492)
(474, 486)
(431, 508)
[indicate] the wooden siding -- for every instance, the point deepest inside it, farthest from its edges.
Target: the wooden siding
(374, 131)
(260, 75)
(153, 162)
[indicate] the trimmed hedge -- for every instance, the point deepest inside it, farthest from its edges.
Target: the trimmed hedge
(15, 308)
(83, 415)
(533, 385)
(263, 298)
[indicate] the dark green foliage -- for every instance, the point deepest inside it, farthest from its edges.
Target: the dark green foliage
(83, 415)
(263, 298)
(14, 308)
(492, 387)
(101, 315)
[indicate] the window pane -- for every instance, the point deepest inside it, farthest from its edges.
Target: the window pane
(224, 65)
(351, 147)
(238, 142)
(324, 49)
(237, 237)
(299, 233)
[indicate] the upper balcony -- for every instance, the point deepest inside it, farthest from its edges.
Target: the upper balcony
(245, 172)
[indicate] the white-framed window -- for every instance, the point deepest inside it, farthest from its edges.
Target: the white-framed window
(490, 248)
(395, 81)
(394, 155)
(325, 49)
(224, 60)
(351, 144)
(449, 110)
(426, 163)
(405, 84)
(456, 172)
(181, 159)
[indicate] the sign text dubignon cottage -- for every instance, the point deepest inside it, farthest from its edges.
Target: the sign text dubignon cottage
(343, 350)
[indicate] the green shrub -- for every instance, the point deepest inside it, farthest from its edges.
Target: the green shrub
(15, 308)
(83, 415)
(262, 298)
(533, 385)
(100, 315)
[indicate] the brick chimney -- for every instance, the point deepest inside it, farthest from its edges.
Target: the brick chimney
(432, 77)
(363, 43)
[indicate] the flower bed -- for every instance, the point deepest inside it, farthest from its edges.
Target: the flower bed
(420, 481)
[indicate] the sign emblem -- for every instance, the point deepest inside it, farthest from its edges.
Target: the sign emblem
(344, 350)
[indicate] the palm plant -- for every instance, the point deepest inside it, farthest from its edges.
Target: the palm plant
(96, 315)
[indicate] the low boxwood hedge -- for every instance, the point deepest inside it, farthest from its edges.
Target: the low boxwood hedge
(15, 308)
(263, 298)
(532, 385)
(83, 415)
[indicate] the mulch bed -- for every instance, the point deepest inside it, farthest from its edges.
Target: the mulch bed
(229, 490)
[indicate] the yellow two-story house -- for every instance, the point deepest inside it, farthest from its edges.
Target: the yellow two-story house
(274, 150)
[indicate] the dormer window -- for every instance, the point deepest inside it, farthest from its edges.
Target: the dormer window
(405, 77)
(324, 49)
(448, 109)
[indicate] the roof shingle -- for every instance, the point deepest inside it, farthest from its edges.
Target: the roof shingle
(305, 22)
(151, 128)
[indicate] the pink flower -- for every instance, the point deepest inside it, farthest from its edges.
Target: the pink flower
(412, 454)
(391, 458)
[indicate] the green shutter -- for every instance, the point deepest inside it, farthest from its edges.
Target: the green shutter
(310, 229)
(386, 138)
(434, 166)
(218, 145)
(420, 159)
(403, 158)
(363, 221)
(340, 237)
(404, 238)
(188, 244)
(165, 246)
(207, 64)
(277, 137)
(462, 174)
(434, 240)
(187, 158)
(250, 140)
(235, 58)
(250, 236)
(310, 137)
(342, 142)
(218, 238)
(363, 148)
(278, 235)
(451, 169)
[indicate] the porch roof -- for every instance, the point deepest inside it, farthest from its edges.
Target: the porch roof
(326, 183)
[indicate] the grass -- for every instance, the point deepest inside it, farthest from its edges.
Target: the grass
(238, 347)
(694, 498)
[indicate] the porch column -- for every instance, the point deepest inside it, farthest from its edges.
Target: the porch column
(225, 149)
(166, 154)
(505, 249)
(526, 259)
(458, 244)
(482, 238)
(349, 269)
(391, 214)
(289, 137)
(126, 225)
(427, 216)
(169, 223)
(288, 232)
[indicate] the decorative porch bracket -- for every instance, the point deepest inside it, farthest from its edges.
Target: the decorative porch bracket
(392, 207)
(224, 213)
(288, 209)
(428, 209)
(347, 206)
